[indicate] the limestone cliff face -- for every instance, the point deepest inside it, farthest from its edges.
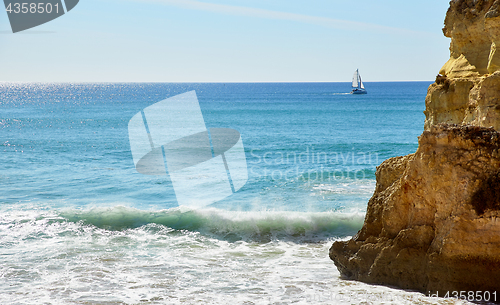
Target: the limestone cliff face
(468, 88)
(433, 223)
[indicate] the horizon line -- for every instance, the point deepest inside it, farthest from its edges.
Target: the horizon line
(214, 82)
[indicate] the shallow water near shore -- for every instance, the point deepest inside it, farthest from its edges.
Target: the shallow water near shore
(79, 225)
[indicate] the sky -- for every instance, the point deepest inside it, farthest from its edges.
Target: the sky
(230, 41)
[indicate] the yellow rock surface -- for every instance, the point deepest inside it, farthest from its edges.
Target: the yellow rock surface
(466, 92)
(433, 223)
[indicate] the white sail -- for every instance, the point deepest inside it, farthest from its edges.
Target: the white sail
(355, 78)
(357, 85)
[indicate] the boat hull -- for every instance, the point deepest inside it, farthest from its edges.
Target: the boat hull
(358, 91)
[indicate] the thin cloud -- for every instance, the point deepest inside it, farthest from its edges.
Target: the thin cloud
(276, 15)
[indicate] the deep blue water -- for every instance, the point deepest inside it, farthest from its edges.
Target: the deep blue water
(67, 144)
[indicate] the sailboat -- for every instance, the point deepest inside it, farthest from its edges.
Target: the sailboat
(357, 84)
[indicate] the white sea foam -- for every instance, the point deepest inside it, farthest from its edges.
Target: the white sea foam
(358, 187)
(48, 259)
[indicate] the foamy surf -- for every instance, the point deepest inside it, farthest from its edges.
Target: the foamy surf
(231, 225)
(86, 257)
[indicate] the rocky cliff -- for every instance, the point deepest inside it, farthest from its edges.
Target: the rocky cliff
(433, 223)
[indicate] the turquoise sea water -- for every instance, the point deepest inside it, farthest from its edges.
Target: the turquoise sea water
(79, 225)
(67, 145)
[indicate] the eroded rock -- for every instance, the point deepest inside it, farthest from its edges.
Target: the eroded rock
(433, 223)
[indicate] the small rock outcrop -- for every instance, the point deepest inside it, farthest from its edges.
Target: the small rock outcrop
(433, 223)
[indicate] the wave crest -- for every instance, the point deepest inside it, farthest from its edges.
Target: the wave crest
(227, 225)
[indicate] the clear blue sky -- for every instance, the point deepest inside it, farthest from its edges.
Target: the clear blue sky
(230, 41)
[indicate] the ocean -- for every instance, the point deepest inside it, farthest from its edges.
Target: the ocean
(80, 225)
